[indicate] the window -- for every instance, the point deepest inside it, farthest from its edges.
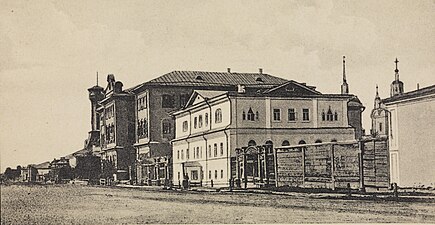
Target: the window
(323, 115)
(182, 154)
(251, 116)
(218, 115)
(209, 174)
(200, 121)
(243, 115)
(185, 126)
(222, 174)
(206, 119)
(285, 143)
(195, 122)
(222, 149)
(277, 114)
(166, 127)
(179, 176)
(252, 143)
(291, 115)
(318, 141)
(215, 150)
(197, 152)
(142, 103)
(306, 114)
(257, 116)
(329, 116)
(187, 154)
(302, 142)
(178, 154)
(380, 127)
(194, 155)
(215, 174)
(142, 128)
(335, 116)
(167, 101)
(209, 151)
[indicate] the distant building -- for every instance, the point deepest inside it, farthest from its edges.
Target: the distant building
(408, 119)
(60, 170)
(213, 124)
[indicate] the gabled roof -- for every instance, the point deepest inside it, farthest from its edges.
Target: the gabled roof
(204, 94)
(412, 94)
(201, 78)
(295, 87)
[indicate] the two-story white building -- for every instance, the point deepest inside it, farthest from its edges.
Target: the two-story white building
(214, 123)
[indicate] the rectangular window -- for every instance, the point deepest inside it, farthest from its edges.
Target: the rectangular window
(380, 127)
(185, 126)
(197, 152)
(291, 115)
(222, 149)
(215, 174)
(182, 154)
(277, 114)
(166, 127)
(306, 114)
(209, 151)
(222, 174)
(215, 150)
(195, 122)
(187, 153)
(209, 174)
(200, 121)
(178, 154)
(206, 119)
(179, 175)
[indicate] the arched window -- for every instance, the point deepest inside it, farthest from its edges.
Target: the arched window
(302, 142)
(252, 143)
(269, 146)
(329, 116)
(218, 115)
(285, 143)
(206, 119)
(318, 141)
(251, 116)
(269, 142)
(334, 140)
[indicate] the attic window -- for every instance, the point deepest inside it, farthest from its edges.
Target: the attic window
(258, 79)
(198, 78)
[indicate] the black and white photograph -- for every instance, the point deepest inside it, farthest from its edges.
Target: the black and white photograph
(217, 112)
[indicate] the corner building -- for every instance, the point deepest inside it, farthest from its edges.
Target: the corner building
(214, 124)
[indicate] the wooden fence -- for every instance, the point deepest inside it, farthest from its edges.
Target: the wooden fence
(333, 165)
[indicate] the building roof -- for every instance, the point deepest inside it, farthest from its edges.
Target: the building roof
(43, 165)
(412, 94)
(201, 78)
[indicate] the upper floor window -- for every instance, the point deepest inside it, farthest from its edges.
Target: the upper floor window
(182, 154)
(218, 115)
(215, 150)
(251, 115)
(167, 101)
(142, 103)
(306, 114)
(335, 116)
(187, 154)
(197, 152)
(142, 128)
(291, 115)
(277, 114)
(243, 115)
(329, 115)
(199, 121)
(222, 149)
(195, 122)
(285, 143)
(380, 127)
(209, 151)
(206, 119)
(166, 127)
(185, 126)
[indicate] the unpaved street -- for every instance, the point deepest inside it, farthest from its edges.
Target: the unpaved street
(69, 204)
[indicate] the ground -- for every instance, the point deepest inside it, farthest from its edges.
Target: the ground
(75, 204)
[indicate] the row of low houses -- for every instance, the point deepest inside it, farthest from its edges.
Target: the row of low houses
(189, 125)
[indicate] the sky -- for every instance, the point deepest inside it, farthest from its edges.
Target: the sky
(50, 52)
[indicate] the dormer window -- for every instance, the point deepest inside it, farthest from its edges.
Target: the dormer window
(198, 78)
(259, 79)
(251, 116)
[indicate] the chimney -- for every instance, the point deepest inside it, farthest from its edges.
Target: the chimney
(418, 86)
(240, 88)
(229, 70)
(260, 70)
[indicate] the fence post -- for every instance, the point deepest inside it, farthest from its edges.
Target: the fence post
(275, 162)
(332, 168)
(361, 166)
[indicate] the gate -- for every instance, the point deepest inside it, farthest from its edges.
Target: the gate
(255, 166)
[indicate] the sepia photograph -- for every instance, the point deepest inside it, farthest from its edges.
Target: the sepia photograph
(217, 112)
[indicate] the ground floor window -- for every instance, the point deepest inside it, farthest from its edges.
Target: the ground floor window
(194, 174)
